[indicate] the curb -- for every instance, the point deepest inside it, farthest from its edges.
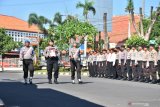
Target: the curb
(61, 73)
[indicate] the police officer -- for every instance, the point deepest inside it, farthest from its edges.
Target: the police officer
(122, 62)
(51, 54)
(153, 63)
(128, 64)
(26, 55)
(145, 65)
(94, 62)
(134, 63)
(117, 65)
(90, 64)
(104, 62)
(75, 61)
(139, 65)
(98, 60)
(159, 63)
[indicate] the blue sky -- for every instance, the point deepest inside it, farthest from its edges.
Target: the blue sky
(22, 8)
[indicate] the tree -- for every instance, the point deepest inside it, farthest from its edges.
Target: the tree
(87, 7)
(6, 43)
(40, 21)
(130, 10)
(58, 18)
(72, 28)
(135, 40)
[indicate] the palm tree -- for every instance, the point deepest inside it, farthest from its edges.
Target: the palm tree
(87, 7)
(57, 18)
(130, 10)
(40, 21)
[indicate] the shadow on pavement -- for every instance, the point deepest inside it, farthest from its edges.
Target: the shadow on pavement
(18, 94)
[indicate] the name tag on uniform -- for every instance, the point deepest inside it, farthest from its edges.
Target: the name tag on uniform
(52, 52)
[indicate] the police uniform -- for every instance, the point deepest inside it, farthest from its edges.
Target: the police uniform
(117, 65)
(51, 55)
(111, 63)
(159, 64)
(104, 63)
(94, 61)
(99, 65)
(75, 62)
(133, 64)
(145, 65)
(90, 65)
(122, 62)
(128, 65)
(139, 65)
(152, 64)
(26, 55)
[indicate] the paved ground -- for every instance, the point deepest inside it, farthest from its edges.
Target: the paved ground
(95, 92)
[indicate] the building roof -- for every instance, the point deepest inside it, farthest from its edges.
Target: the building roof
(120, 28)
(13, 23)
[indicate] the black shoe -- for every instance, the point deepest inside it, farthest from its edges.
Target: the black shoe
(50, 81)
(141, 80)
(30, 81)
(153, 82)
(119, 78)
(130, 79)
(55, 81)
(147, 80)
(124, 78)
(135, 79)
(80, 82)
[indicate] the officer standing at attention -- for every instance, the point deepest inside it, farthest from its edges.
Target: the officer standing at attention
(145, 65)
(128, 64)
(117, 65)
(94, 62)
(51, 55)
(26, 55)
(140, 61)
(134, 63)
(153, 63)
(122, 61)
(159, 63)
(104, 63)
(75, 61)
(90, 64)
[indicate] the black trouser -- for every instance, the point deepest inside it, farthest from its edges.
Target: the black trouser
(123, 69)
(145, 70)
(52, 63)
(110, 69)
(140, 70)
(75, 66)
(28, 66)
(134, 70)
(104, 68)
(95, 68)
(152, 70)
(99, 68)
(118, 69)
(158, 68)
(90, 68)
(129, 70)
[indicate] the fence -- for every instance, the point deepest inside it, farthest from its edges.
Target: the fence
(11, 62)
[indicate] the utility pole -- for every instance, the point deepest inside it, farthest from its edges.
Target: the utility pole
(105, 31)
(143, 7)
(151, 12)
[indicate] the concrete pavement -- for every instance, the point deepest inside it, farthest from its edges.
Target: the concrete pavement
(95, 92)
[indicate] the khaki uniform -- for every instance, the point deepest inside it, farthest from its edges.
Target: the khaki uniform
(128, 65)
(152, 58)
(145, 65)
(139, 65)
(134, 63)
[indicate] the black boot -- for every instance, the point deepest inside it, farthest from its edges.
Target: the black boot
(55, 81)
(50, 81)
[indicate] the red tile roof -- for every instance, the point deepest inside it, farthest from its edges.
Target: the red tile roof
(13, 23)
(120, 28)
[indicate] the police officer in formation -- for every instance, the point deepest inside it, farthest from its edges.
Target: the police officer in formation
(27, 55)
(131, 63)
(51, 54)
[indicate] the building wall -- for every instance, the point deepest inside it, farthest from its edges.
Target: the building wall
(20, 36)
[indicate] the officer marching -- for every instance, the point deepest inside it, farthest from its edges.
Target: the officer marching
(26, 55)
(51, 55)
(75, 61)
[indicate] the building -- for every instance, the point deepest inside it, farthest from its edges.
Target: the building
(120, 30)
(19, 29)
(102, 6)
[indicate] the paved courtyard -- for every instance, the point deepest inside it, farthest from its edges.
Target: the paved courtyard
(95, 92)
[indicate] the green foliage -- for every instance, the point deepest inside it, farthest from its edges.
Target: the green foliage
(69, 29)
(6, 42)
(136, 41)
(87, 6)
(130, 6)
(155, 30)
